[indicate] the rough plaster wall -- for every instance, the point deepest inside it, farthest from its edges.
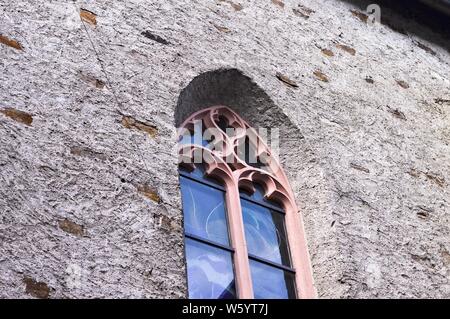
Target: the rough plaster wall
(89, 189)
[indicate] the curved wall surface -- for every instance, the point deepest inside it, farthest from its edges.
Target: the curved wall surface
(91, 94)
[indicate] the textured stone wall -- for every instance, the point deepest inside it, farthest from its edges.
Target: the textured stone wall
(89, 94)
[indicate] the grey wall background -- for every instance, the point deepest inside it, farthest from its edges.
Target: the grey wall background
(89, 197)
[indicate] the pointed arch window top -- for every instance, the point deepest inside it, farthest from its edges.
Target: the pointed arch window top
(222, 131)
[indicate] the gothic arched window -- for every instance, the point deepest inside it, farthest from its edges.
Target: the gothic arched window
(243, 234)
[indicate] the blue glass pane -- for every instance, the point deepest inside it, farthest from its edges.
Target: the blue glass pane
(210, 272)
(204, 211)
(258, 196)
(265, 233)
(271, 283)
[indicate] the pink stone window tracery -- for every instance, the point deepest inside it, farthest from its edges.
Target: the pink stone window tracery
(254, 186)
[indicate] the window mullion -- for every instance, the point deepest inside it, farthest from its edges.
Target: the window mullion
(237, 234)
(299, 254)
(208, 242)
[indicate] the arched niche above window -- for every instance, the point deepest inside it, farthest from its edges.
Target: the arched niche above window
(266, 238)
(240, 93)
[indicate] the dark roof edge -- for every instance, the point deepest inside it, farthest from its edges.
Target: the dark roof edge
(441, 5)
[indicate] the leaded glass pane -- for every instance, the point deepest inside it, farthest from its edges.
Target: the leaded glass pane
(210, 272)
(265, 233)
(271, 283)
(204, 211)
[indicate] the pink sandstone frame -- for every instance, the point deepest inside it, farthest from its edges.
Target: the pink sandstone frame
(236, 174)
